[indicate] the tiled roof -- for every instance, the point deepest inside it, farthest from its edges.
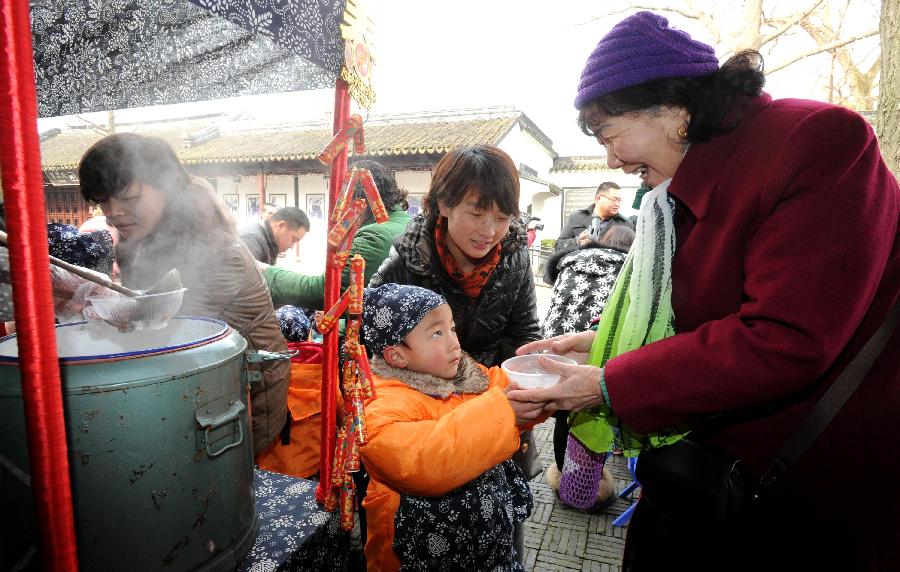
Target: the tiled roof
(436, 136)
(64, 151)
(580, 163)
(258, 146)
(381, 140)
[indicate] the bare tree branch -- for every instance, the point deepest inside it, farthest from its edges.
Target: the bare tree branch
(712, 26)
(771, 32)
(753, 13)
(820, 49)
(874, 69)
(685, 13)
(691, 13)
(786, 25)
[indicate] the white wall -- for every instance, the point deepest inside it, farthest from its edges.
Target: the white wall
(247, 187)
(580, 179)
(523, 148)
(309, 255)
(416, 184)
(548, 205)
(311, 252)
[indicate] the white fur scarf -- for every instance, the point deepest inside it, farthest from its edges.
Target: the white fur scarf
(469, 378)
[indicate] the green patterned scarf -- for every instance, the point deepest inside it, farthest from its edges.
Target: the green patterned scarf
(638, 312)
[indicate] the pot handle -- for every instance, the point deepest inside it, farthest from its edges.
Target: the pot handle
(260, 356)
(210, 422)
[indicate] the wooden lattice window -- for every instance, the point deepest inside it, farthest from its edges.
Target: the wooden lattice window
(65, 205)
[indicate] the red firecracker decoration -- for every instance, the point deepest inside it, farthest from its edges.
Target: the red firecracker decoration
(339, 141)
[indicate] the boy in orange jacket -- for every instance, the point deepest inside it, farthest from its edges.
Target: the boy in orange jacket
(443, 492)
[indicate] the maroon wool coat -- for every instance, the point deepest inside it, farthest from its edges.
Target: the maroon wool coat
(787, 260)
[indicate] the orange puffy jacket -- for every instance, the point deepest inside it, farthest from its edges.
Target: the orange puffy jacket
(428, 446)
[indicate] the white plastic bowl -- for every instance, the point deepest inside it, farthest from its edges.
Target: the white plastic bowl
(149, 312)
(526, 372)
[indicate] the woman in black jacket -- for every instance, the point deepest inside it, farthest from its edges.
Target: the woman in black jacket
(467, 247)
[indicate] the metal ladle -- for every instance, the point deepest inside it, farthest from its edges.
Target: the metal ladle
(169, 282)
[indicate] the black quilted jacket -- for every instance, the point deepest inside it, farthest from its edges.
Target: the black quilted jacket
(491, 326)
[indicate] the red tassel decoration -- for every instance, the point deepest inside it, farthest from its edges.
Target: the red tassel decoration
(335, 146)
(351, 337)
(357, 285)
(365, 375)
(342, 226)
(330, 318)
(351, 461)
(348, 498)
(342, 251)
(340, 458)
(359, 141)
(362, 436)
(345, 198)
(375, 203)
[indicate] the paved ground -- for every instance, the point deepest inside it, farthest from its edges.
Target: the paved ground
(562, 538)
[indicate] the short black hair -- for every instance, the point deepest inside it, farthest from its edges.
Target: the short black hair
(117, 161)
(486, 169)
(294, 217)
(618, 236)
(605, 186)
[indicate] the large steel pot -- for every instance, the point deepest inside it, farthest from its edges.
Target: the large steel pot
(160, 453)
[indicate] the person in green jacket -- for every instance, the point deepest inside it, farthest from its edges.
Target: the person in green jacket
(372, 242)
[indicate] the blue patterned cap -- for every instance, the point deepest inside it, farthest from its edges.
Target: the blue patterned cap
(392, 311)
(294, 323)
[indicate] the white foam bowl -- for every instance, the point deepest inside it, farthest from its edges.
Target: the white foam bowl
(526, 372)
(147, 312)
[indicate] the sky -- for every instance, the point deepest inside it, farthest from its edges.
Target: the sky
(472, 54)
(527, 54)
(530, 53)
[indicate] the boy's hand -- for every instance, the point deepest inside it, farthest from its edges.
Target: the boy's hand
(526, 411)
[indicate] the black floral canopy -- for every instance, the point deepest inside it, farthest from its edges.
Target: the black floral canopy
(95, 55)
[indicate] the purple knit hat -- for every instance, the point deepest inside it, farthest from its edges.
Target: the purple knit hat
(640, 48)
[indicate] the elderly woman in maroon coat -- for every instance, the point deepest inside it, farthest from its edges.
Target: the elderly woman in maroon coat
(777, 250)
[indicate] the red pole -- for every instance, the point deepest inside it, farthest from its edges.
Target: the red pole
(332, 293)
(23, 186)
(261, 185)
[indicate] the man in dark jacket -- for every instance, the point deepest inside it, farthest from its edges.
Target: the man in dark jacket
(589, 224)
(267, 239)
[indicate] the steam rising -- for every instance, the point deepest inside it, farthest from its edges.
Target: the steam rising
(192, 237)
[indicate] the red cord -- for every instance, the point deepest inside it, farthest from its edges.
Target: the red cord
(23, 187)
(332, 293)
